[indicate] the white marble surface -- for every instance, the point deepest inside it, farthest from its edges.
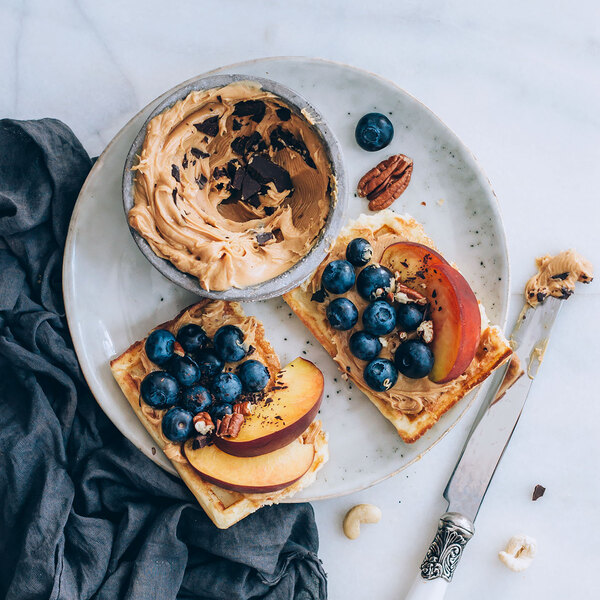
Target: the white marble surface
(520, 83)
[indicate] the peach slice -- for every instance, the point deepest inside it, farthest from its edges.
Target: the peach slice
(454, 308)
(257, 474)
(282, 415)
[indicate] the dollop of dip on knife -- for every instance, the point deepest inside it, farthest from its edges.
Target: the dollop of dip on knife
(557, 276)
(233, 186)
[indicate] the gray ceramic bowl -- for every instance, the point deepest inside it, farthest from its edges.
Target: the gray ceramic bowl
(304, 267)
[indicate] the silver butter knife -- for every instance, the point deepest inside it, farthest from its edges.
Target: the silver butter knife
(483, 450)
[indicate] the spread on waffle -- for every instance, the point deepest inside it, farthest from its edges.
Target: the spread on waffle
(400, 321)
(239, 430)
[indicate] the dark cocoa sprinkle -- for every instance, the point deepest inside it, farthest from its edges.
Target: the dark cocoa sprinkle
(175, 173)
(278, 418)
(404, 264)
(201, 181)
(531, 294)
(561, 276)
(420, 274)
(199, 153)
(255, 109)
(319, 296)
(269, 210)
(236, 125)
(538, 492)
(174, 194)
(209, 126)
(219, 99)
(439, 308)
(263, 237)
(153, 450)
(434, 294)
(348, 369)
(283, 113)
(184, 162)
(251, 349)
(565, 293)
(194, 162)
(540, 296)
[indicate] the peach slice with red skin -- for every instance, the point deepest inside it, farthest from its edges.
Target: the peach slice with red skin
(252, 475)
(453, 306)
(282, 415)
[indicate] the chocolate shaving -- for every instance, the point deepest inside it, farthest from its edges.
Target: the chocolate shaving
(319, 296)
(184, 162)
(255, 109)
(199, 153)
(283, 113)
(201, 181)
(175, 173)
(209, 126)
(263, 238)
(538, 492)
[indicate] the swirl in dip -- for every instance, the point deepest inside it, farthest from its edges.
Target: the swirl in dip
(233, 186)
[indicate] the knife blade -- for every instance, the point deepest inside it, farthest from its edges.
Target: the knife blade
(483, 449)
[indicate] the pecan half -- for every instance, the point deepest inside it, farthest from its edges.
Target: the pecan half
(243, 408)
(203, 423)
(406, 295)
(385, 183)
(230, 425)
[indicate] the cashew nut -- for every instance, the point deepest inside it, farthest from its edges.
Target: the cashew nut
(361, 513)
(519, 552)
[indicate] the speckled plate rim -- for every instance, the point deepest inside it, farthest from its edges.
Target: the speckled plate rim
(299, 271)
(69, 291)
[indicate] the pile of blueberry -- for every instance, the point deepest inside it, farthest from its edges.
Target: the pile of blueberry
(196, 382)
(413, 358)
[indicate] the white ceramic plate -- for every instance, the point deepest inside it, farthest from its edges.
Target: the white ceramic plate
(113, 295)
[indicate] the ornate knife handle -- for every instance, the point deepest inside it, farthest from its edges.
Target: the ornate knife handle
(437, 568)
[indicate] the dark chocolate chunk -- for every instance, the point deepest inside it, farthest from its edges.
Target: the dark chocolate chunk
(236, 125)
(255, 109)
(561, 276)
(174, 194)
(264, 237)
(565, 293)
(253, 201)
(319, 296)
(269, 210)
(238, 178)
(264, 170)
(538, 492)
(232, 167)
(285, 114)
(282, 138)
(220, 186)
(175, 173)
(250, 187)
(209, 126)
(199, 153)
(540, 296)
(201, 181)
(248, 144)
(199, 441)
(184, 162)
(219, 172)
(219, 98)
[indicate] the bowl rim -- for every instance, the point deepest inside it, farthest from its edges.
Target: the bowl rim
(300, 270)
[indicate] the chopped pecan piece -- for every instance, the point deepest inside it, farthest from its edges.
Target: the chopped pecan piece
(230, 425)
(243, 408)
(425, 331)
(203, 423)
(406, 295)
(385, 183)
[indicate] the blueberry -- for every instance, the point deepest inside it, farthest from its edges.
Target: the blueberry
(364, 345)
(414, 359)
(160, 346)
(359, 252)
(338, 277)
(342, 314)
(177, 424)
(374, 281)
(184, 369)
(379, 318)
(229, 343)
(210, 364)
(226, 388)
(218, 411)
(192, 338)
(253, 375)
(408, 317)
(373, 132)
(380, 374)
(196, 399)
(159, 389)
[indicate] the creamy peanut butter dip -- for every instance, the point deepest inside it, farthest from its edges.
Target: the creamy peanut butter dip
(557, 276)
(410, 396)
(232, 186)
